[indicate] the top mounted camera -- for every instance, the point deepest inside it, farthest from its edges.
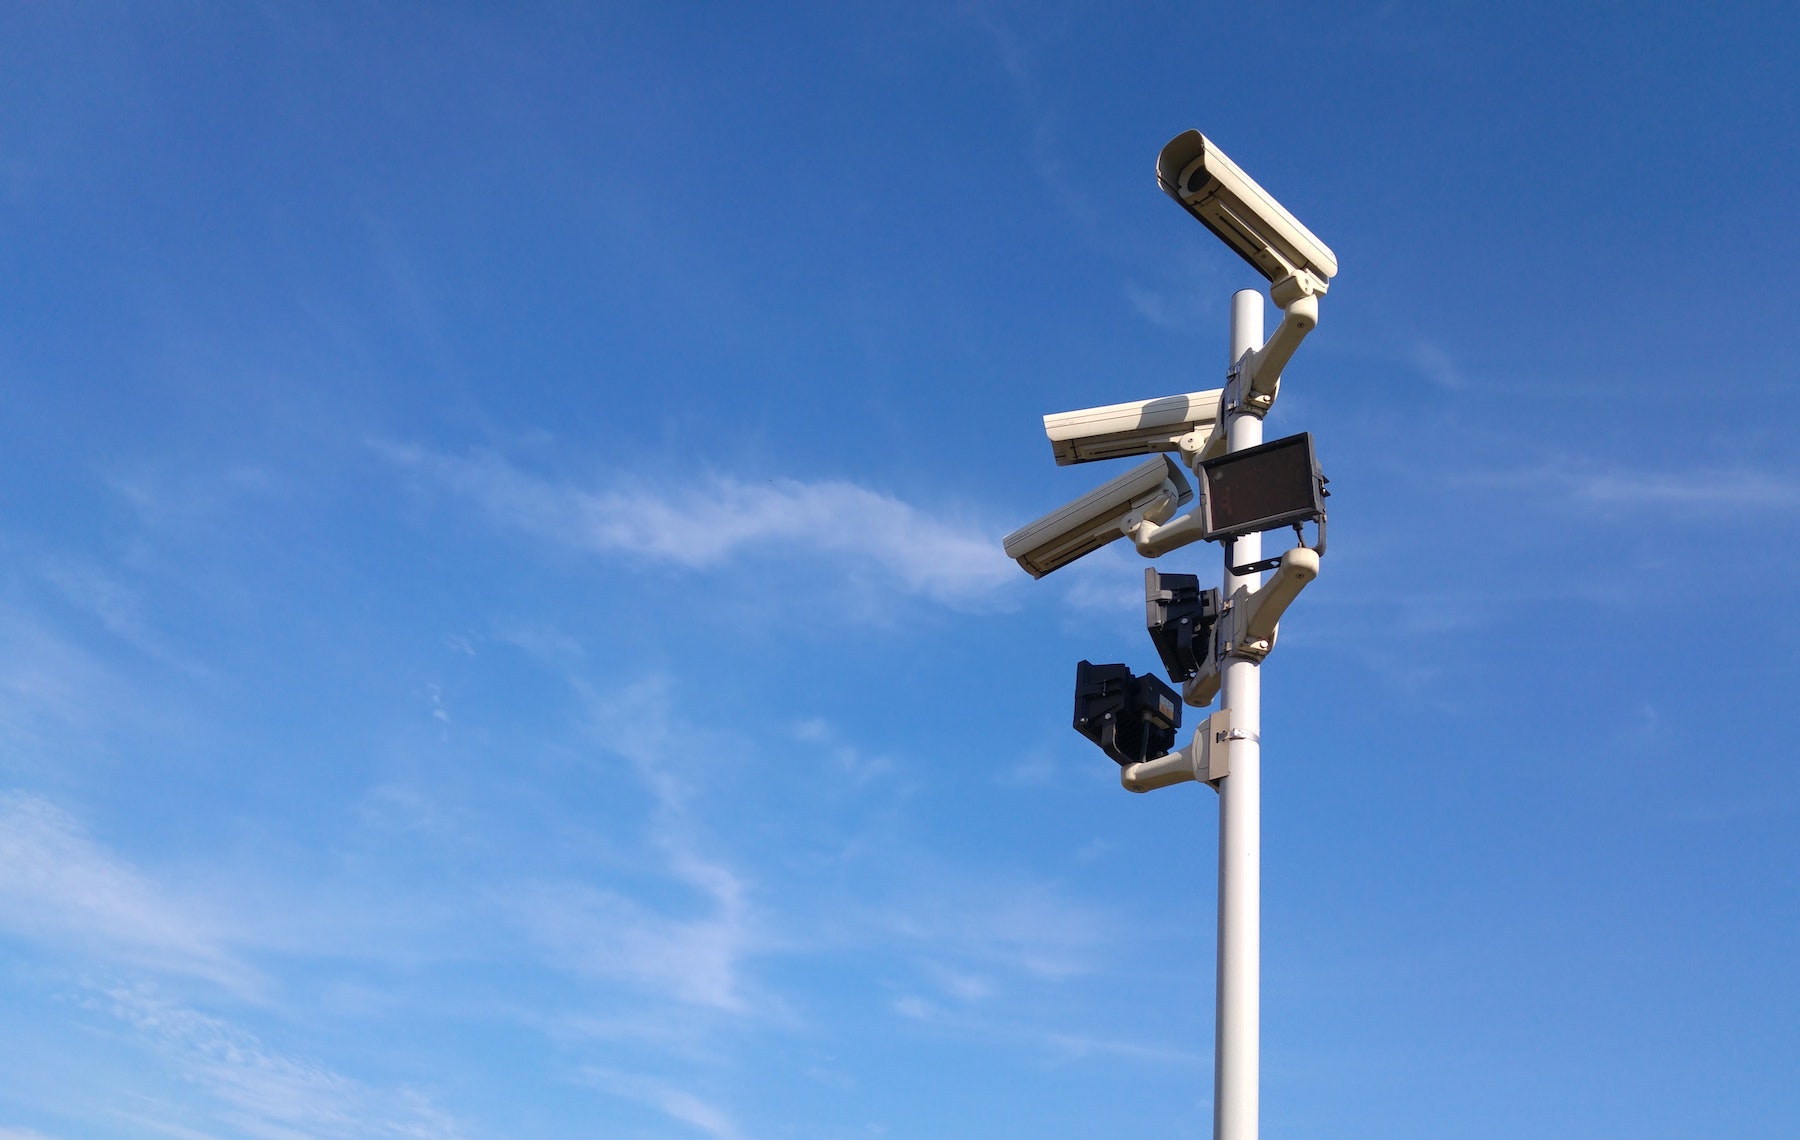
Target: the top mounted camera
(1228, 202)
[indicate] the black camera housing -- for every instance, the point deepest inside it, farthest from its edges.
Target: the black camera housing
(1131, 718)
(1180, 616)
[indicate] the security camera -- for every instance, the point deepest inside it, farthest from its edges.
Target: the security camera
(1150, 492)
(1240, 213)
(1180, 617)
(1131, 718)
(1167, 423)
(1196, 173)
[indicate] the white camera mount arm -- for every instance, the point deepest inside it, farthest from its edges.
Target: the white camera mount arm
(1152, 539)
(1255, 380)
(1248, 626)
(1254, 617)
(1207, 758)
(1152, 515)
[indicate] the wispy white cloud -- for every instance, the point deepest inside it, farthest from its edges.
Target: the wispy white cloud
(970, 937)
(115, 605)
(49, 687)
(968, 1023)
(959, 984)
(1107, 581)
(603, 933)
(659, 952)
(1042, 142)
(59, 887)
(853, 761)
(1699, 487)
(710, 520)
(63, 891)
(1583, 482)
(638, 722)
(1024, 928)
(1079, 1046)
(543, 642)
(1036, 769)
(179, 499)
(671, 1100)
(1187, 292)
(264, 1093)
(1437, 366)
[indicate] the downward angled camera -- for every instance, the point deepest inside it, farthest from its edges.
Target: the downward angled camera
(1131, 718)
(1139, 427)
(1196, 173)
(1180, 616)
(1150, 492)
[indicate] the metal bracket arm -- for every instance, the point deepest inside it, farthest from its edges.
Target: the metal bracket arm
(1248, 626)
(1206, 758)
(1253, 618)
(1256, 377)
(1154, 539)
(1318, 547)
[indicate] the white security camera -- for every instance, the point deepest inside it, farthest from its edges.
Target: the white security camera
(1167, 423)
(1228, 202)
(1149, 492)
(1240, 213)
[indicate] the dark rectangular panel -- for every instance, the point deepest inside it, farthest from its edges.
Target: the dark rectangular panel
(1261, 488)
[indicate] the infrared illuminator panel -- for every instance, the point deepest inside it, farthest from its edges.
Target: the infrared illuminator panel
(1261, 488)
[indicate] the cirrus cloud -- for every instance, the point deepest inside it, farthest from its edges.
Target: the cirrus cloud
(708, 520)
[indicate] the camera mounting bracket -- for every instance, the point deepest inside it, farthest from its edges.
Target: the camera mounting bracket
(1254, 379)
(1299, 540)
(1206, 758)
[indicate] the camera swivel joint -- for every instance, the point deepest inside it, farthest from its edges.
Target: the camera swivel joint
(1248, 623)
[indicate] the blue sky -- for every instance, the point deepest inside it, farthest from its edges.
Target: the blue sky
(503, 630)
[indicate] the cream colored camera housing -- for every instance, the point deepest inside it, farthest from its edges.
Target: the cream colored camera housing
(1149, 492)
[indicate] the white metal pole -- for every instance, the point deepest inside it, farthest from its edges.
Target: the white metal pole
(1238, 1039)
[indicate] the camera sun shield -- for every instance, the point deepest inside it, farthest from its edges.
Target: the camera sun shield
(1131, 718)
(1180, 617)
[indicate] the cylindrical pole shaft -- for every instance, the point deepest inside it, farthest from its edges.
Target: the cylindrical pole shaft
(1238, 1040)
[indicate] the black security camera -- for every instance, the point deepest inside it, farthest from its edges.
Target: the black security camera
(1131, 718)
(1181, 617)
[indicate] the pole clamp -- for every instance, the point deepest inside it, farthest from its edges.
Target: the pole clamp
(1239, 397)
